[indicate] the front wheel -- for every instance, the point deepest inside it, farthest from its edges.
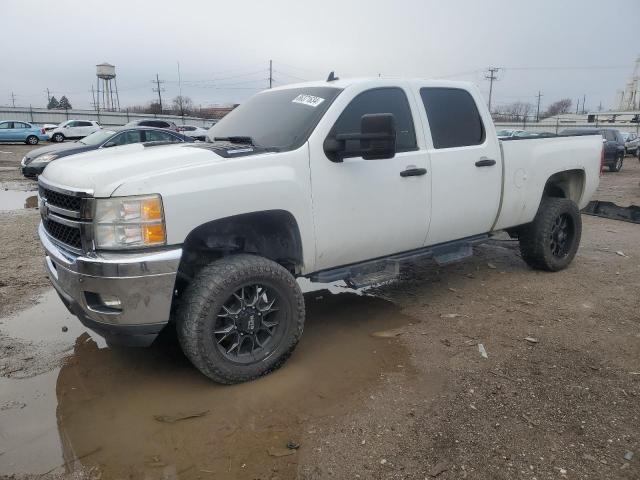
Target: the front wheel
(617, 166)
(240, 318)
(551, 241)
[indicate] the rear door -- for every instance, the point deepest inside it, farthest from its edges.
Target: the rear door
(364, 209)
(21, 131)
(466, 164)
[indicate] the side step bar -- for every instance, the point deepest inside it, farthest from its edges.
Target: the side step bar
(383, 268)
(611, 210)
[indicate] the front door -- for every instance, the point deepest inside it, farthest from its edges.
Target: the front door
(466, 165)
(365, 209)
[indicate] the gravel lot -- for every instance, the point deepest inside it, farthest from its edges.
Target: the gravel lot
(556, 397)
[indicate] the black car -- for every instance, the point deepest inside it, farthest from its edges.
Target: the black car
(613, 143)
(36, 160)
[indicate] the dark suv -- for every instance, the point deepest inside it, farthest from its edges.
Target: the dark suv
(613, 144)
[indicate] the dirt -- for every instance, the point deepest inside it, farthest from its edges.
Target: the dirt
(389, 384)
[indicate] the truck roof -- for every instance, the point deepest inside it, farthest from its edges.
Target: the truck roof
(383, 80)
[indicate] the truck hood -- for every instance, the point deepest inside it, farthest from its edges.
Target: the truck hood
(103, 171)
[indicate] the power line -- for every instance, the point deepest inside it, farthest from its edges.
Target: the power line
(491, 77)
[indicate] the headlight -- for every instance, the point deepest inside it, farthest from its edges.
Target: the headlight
(129, 222)
(46, 158)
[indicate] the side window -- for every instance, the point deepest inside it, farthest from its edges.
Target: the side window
(127, 137)
(608, 134)
(453, 116)
(6, 125)
(84, 124)
(379, 100)
(146, 123)
(20, 125)
(155, 136)
(72, 124)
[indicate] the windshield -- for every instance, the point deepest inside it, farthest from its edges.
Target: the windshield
(278, 119)
(504, 133)
(97, 137)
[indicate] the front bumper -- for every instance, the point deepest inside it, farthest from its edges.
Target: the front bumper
(143, 283)
(30, 171)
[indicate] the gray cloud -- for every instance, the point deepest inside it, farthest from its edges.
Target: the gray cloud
(224, 48)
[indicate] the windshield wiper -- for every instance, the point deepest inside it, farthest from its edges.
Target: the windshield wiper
(236, 139)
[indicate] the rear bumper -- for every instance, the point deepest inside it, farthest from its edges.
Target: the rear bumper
(142, 283)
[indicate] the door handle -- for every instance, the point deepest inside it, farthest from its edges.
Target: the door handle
(485, 162)
(413, 172)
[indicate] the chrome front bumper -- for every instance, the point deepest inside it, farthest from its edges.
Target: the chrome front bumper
(142, 282)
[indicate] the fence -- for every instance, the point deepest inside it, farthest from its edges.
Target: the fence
(557, 125)
(40, 116)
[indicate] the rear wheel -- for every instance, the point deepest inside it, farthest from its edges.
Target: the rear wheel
(617, 165)
(240, 318)
(32, 140)
(551, 241)
(58, 137)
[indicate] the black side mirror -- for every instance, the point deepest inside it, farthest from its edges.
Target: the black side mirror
(377, 139)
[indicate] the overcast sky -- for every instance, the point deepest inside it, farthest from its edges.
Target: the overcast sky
(224, 47)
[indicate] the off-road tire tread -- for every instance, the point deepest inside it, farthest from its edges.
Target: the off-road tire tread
(210, 282)
(534, 236)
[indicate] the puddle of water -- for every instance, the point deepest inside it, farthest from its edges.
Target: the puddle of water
(105, 400)
(17, 200)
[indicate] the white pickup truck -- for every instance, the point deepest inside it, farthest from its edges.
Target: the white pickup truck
(325, 180)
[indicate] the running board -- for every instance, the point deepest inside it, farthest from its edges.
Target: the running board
(611, 210)
(386, 268)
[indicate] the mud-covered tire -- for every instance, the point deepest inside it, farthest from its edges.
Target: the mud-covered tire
(203, 301)
(537, 245)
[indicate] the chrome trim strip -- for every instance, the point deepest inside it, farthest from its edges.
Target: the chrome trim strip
(74, 192)
(64, 221)
(63, 211)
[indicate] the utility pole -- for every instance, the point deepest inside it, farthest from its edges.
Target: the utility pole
(491, 77)
(270, 73)
(584, 99)
(577, 105)
(48, 96)
(538, 110)
(180, 88)
(13, 99)
(93, 96)
(158, 89)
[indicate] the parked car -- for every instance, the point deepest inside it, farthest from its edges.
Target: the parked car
(506, 133)
(154, 124)
(198, 133)
(613, 144)
(34, 162)
(631, 143)
(329, 181)
(73, 130)
(48, 127)
(14, 131)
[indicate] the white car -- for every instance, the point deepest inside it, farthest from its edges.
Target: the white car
(631, 143)
(508, 133)
(73, 130)
(336, 180)
(198, 133)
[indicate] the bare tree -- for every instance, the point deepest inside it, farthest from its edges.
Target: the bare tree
(182, 105)
(557, 108)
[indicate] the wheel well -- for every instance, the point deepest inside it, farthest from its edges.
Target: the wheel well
(568, 184)
(272, 234)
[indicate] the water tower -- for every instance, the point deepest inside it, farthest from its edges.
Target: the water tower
(108, 87)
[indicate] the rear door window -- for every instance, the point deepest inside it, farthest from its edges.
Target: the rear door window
(128, 137)
(155, 136)
(453, 117)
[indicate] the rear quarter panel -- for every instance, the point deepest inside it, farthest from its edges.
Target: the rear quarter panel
(529, 163)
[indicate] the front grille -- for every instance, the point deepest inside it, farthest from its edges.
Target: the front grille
(61, 200)
(67, 235)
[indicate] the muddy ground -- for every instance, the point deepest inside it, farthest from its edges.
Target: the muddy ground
(418, 402)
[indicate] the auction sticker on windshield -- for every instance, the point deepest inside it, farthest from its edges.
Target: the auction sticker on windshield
(310, 100)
